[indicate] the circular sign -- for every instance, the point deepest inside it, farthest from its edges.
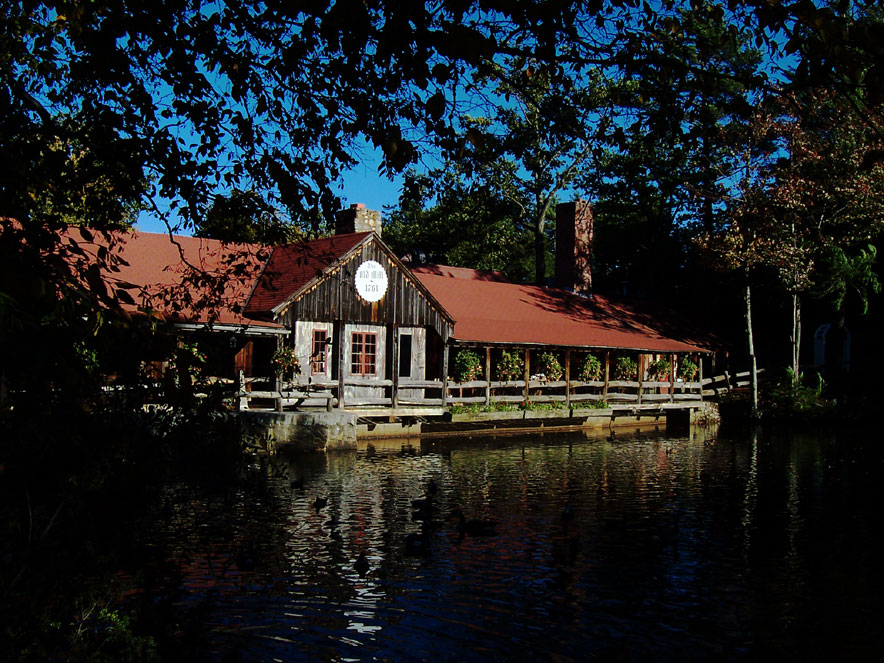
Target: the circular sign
(371, 281)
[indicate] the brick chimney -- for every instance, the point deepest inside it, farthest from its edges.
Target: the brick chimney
(357, 219)
(574, 247)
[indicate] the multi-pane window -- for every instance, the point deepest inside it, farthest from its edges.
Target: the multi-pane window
(363, 353)
(319, 352)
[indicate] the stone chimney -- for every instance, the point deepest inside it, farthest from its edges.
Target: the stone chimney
(574, 247)
(357, 219)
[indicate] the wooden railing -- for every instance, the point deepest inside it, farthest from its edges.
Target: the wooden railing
(262, 392)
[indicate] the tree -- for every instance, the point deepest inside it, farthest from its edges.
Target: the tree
(441, 219)
(689, 87)
(244, 216)
(536, 141)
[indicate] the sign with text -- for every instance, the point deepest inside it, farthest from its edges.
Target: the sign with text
(371, 281)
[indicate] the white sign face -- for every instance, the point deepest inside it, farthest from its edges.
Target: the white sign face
(371, 281)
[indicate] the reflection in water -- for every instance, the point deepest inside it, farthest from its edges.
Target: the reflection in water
(632, 547)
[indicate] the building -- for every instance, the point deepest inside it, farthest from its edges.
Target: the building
(369, 330)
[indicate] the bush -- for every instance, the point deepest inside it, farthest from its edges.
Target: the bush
(549, 365)
(467, 366)
(625, 368)
(510, 366)
(590, 369)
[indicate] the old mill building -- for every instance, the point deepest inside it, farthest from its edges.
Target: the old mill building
(371, 331)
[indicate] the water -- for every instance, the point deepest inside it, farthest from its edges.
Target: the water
(628, 548)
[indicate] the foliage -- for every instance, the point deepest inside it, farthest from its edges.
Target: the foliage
(625, 368)
(796, 397)
(658, 370)
(510, 366)
(244, 216)
(188, 360)
(285, 362)
(549, 365)
(476, 408)
(467, 366)
(590, 369)
(687, 369)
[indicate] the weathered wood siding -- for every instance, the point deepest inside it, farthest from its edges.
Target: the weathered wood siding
(335, 298)
(304, 348)
(418, 360)
(352, 393)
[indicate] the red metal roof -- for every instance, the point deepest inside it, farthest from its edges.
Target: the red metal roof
(490, 310)
(184, 279)
(293, 266)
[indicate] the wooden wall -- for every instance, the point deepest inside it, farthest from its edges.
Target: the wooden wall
(335, 298)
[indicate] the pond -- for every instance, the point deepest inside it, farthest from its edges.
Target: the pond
(628, 546)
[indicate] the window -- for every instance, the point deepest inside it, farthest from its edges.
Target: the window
(319, 352)
(405, 356)
(363, 353)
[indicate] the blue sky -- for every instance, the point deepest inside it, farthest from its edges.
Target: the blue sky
(362, 184)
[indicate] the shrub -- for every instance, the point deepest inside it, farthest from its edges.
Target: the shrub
(467, 366)
(590, 369)
(510, 366)
(625, 368)
(549, 365)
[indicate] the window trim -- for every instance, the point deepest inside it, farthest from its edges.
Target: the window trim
(313, 349)
(360, 360)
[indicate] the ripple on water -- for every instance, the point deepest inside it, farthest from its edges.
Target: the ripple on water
(638, 547)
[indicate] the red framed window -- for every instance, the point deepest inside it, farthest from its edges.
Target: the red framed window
(319, 352)
(363, 353)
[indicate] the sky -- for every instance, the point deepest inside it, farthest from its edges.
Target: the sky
(362, 184)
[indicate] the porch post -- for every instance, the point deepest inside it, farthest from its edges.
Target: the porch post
(444, 373)
(488, 375)
(568, 379)
(527, 372)
(338, 342)
(672, 358)
(607, 374)
(700, 373)
(641, 374)
(393, 330)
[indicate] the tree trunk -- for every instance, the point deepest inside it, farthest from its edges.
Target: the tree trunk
(753, 367)
(796, 335)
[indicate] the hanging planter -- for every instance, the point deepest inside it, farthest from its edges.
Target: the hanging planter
(467, 366)
(550, 367)
(590, 369)
(510, 366)
(285, 363)
(625, 368)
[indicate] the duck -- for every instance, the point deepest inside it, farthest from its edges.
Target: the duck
(320, 502)
(361, 565)
(474, 526)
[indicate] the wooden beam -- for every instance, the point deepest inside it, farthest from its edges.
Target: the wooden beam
(672, 377)
(527, 373)
(488, 375)
(338, 342)
(393, 330)
(568, 379)
(607, 374)
(641, 374)
(444, 373)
